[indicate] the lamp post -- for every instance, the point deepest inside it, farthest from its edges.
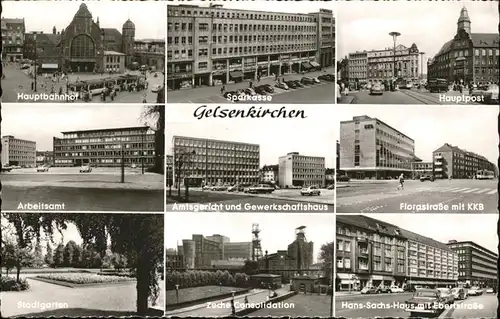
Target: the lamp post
(177, 292)
(123, 164)
(422, 65)
(36, 59)
(142, 148)
(394, 36)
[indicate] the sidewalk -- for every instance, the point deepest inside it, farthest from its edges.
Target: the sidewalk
(134, 185)
(346, 293)
(346, 99)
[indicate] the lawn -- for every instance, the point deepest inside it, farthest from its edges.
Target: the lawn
(84, 278)
(300, 305)
(195, 293)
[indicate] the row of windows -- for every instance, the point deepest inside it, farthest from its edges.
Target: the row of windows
(216, 145)
(238, 28)
(477, 52)
(177, 12)
(109, 153)
(244, 39)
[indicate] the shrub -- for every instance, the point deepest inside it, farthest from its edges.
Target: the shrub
(10, 284)
(85, 278)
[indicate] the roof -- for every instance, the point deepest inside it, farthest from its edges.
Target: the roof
(111, 32)
(424, 240)
(54, 38)
(150, 40)
(128, 25)
(448, 147)
(108, 129)
(13, 20)
(485, 40)
(445, 48)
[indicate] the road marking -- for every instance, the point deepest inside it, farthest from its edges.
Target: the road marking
(492, 192)
(460, 190)
(452, 189)
(484, 190)
(471, 190)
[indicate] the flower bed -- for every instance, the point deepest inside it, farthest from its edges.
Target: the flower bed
(117, 274)
(10, 284)
(83, 279)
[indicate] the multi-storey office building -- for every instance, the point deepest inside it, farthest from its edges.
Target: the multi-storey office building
(301, 170)
(477, 266)
(12, 39)
(215, 44)
(370, 148)
(18, 152)
(468, 57)
(372, 253)
(452, 162)
(369, 253)
(200, 161)
(422, 168)
(233, 250)
(357, 67)
(105, 147)
(430, 262)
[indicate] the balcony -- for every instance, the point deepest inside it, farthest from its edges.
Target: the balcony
(438, 157)
(363, 267)
(363, 251)
(438, 169)
(438, 163)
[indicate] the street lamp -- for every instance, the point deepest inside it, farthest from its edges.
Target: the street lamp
(142, 147)
(36, 58)
(422, 64)
(394, 36)
(177, 292)
(123, 164)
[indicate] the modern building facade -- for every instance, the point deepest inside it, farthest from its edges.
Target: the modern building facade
(301, 170)
(170, 170)
(200, 161)
(18, 152)
(468, 57)
(370, 148)
(45, 158)
(422, 169)
(213, 44)
(477, 266)
(453, 162)
(12, 39)
(374, 253)
(378, 65)
(105, 147)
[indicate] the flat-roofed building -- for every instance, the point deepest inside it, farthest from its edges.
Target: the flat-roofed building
(200, 161)
(301, 170)
(452, 161)
(18, 152)
(422, 169)
(370, 148)
(477, 266)
(213, 44)
(105, 147)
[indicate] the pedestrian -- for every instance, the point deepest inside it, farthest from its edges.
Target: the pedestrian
(246, 300)
(401, 182)
(222, 89)
(233, 309)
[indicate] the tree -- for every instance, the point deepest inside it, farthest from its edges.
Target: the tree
(49, 258)
(24, 258)
(38, 259)
(326, 256)
(119, 261)
(77, 256)
(156, 113)
(59, 256)
(69, 250)
(8, 260)
(138, 237)
(251, 267)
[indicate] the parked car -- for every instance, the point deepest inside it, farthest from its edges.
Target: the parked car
(343, 178)
(459, 293)
(220, 188)
(316, 80)
(298, 84)
(383, 290)
(426, 301)
(133, 166)
(331, 186)
(268, 88)
(291, 84)
(491, 94)
(307, 80)
(327, 77)
(490, 291)
(261, 90)
(282, 85)
(311, 191)
(368, 290)
(85, 169)
(232, 188)
(376, 89)
(427, 178)
(250, 91)
(474, 291)
(395, 289)
(260, 189)
(229, 94)
(446, 294)
(42, 169)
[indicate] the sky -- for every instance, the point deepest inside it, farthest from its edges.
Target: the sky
(479, 228)
(473, 128)
(149, 17)
(271, 6)
(277, 230)
(312, 136)
(366, 25)
(41, 122)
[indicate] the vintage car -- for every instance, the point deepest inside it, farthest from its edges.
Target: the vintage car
(425, 301)
(311, 191)
(459, 293)
(85, 169)
(260, 189)
(42, 168)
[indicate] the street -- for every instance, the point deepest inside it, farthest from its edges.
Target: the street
(278, 201)
(392, 305)
(322, 93)
(67, 190)
(413, 96)
(19, 81)
(459, 196)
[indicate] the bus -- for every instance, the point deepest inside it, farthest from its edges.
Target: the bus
(437, 85)
(97, 86)
(485, 174)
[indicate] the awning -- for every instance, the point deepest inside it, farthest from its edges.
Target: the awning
(306, 65)
(49, 66)
(345, 276)
(314, 64)
(347, 282)
(236, 74)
